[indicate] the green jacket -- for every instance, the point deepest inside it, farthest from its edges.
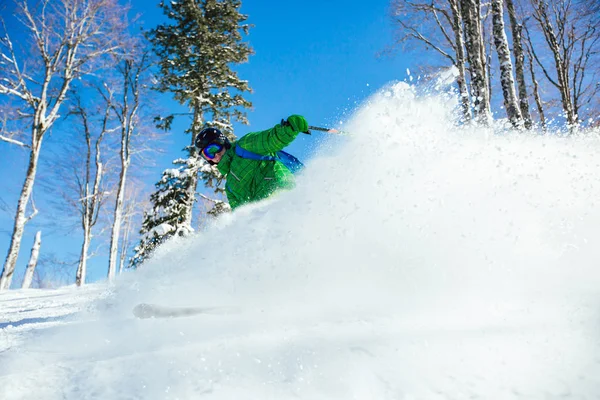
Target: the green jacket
(253, 180)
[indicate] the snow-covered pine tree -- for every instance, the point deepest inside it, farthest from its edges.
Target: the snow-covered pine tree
(169, 209)
(196, 51)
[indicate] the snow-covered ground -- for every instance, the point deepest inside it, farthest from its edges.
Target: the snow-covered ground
(23, 312)
(414, 261)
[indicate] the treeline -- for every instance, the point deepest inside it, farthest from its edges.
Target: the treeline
(538, 58)
(85, 72)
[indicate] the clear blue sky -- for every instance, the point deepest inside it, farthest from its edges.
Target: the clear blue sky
(315, 58)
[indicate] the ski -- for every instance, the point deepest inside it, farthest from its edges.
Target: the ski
(145, 311)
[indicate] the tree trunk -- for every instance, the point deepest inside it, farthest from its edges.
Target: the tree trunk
(90, 201)
(116, 228)
(123, 254)
(506, 70)
(82, 268)
(560, 64)
(519, 55)
(35, 252)
(65, 44)
(536, 92)
(126, 113)
(486, 58)
(85, 208)
(460, 59)
(488, 70)
(125, 241)
(196, 127)
(20, 218)
(118, 214)
(473, 44)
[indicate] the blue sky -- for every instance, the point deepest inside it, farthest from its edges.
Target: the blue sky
(314, 58)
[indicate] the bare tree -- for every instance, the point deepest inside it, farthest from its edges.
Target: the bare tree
(506, 69)
(132, 212)
(89, 191)
(33, 259)
(474, 43)
(126, 110)
(424, 22)
(536, 88)
(459, 46)
(519, 55)
(572, 32)
(126, 227)
(67, 36)
(487, 46)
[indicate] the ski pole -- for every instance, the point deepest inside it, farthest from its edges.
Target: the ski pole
(318, 128)
(328, 130)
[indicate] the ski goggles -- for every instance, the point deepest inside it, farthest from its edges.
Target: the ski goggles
(210, 151)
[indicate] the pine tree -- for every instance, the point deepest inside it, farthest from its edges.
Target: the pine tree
(169, 207)
(196, 52)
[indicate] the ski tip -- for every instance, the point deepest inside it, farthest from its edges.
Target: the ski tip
(143, 311)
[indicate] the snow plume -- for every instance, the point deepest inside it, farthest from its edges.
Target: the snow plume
(415, 259)
(410, 212)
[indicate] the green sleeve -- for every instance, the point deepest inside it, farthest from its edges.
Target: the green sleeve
(268, 141)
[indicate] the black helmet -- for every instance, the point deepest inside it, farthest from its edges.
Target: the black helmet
(211, 135)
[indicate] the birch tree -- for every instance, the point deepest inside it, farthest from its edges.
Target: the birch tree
(439, 26)
(519, 56)
(471, 12)
(536, 88)
(126, 109)
(459, 46)
(127, 228)
(572, 35)
(487, 46)
(506, 69)
(33, 259)
(89, 184)
(67, 36)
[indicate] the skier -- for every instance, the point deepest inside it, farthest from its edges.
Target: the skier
(255, 165)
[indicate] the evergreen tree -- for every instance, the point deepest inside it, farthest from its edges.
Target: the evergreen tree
(167, 217)
(196, 49)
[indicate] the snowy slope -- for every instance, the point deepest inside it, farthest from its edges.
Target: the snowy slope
(24, 311)
(414, 261)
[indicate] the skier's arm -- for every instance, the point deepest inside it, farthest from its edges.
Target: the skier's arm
(274, 139)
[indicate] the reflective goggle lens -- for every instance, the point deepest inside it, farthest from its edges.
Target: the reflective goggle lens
(211, 150)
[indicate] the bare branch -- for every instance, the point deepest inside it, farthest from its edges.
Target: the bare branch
(13, 141)
(68, 36)
(17, 87)
(35, 210)
(536, 58)
(443, 30)
(417, 35)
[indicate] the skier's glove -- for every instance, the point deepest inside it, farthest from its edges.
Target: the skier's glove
(298, 123)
